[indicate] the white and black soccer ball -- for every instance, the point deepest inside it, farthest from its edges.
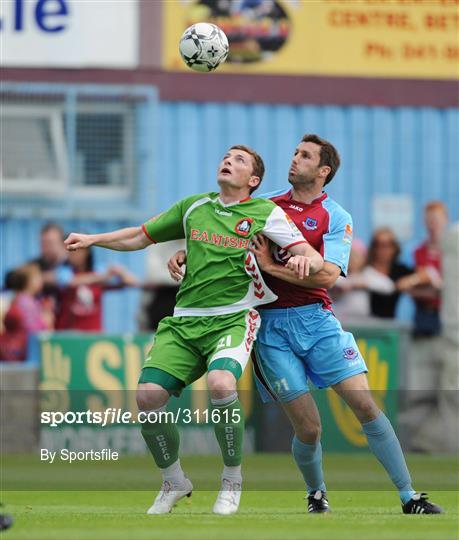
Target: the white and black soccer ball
(203, 47)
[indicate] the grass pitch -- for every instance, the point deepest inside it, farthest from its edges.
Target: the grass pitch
(267, 513)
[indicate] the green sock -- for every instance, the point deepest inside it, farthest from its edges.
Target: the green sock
(163, 440)
(229, 430)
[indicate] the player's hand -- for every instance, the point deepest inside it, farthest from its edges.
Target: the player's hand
(300, 265)
(260, 248)
(76, 241)
(175, 263)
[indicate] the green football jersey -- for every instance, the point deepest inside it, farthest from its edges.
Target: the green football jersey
(221, 275)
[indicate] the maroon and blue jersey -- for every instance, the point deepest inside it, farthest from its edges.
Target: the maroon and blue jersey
(328, 228)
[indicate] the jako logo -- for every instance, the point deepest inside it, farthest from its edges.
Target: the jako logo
(47, 15)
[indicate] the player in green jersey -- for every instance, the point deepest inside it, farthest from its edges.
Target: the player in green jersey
(214, 324)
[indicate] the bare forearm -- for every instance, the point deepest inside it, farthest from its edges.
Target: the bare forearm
(321, 279)
(315, 257)
(129, 239)
(88, 279)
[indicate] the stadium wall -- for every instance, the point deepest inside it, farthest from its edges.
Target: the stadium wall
(400, 150)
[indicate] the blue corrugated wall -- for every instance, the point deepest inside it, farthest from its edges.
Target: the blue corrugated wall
(384, 151)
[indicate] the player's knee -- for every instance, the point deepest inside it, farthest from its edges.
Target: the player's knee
(221, 383)
(309, 433)
(150, 396)
(366, 409)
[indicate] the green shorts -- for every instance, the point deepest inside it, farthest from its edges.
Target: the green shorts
(187, 347)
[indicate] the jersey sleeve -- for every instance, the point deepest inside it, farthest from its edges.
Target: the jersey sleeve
(166, 226)
(280, 229)
(338, 240)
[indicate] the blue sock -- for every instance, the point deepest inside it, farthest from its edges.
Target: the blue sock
(308, 457)
(384, 444)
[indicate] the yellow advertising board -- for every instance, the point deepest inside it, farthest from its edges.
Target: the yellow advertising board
(367, 38)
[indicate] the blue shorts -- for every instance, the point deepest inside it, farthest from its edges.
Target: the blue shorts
(300, 343)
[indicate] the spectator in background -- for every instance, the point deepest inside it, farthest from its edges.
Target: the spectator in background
(383, 258)
(447, 433)
(53, 255)
(424, 285)
(428, 368)
(81, 288)
(351, 294)
(26, 314)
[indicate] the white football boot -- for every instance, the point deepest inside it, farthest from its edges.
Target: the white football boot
(229, 497)
(169, 495)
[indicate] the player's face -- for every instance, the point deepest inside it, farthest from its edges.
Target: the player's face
(304, 169)
(236, 170)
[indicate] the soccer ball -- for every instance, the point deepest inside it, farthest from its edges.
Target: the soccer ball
(203, 47)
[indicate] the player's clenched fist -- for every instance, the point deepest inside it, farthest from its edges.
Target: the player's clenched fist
(76, 241)
(175, 263)
(300, 265)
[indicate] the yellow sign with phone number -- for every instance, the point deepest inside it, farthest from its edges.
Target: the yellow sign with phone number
(363, 38)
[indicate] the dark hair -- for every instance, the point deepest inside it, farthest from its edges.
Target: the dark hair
(258, 168)
(20, 277)
(328, 155)
(373, 242)
(89, 262)
(53, 227)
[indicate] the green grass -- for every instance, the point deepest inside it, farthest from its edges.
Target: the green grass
(118, 513)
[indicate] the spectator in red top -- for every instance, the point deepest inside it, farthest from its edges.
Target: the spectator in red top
(82, 286)
(427, 363)
(26, 314)
(428, 258)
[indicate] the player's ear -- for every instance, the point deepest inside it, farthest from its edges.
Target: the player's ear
(325, 171)
(254, 181)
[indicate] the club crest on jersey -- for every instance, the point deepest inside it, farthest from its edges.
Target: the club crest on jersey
(243, 226)
(350, 353)
(310, 224)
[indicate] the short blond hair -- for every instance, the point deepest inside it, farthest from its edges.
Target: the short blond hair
(434, 206)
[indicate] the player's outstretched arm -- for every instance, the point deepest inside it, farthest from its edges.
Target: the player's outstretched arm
(129, 239)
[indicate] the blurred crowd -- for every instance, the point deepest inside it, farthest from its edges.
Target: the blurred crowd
(59, 290)
(377, 277)
(63, 290)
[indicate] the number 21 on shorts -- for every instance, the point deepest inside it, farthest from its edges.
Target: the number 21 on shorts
(224, 342)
